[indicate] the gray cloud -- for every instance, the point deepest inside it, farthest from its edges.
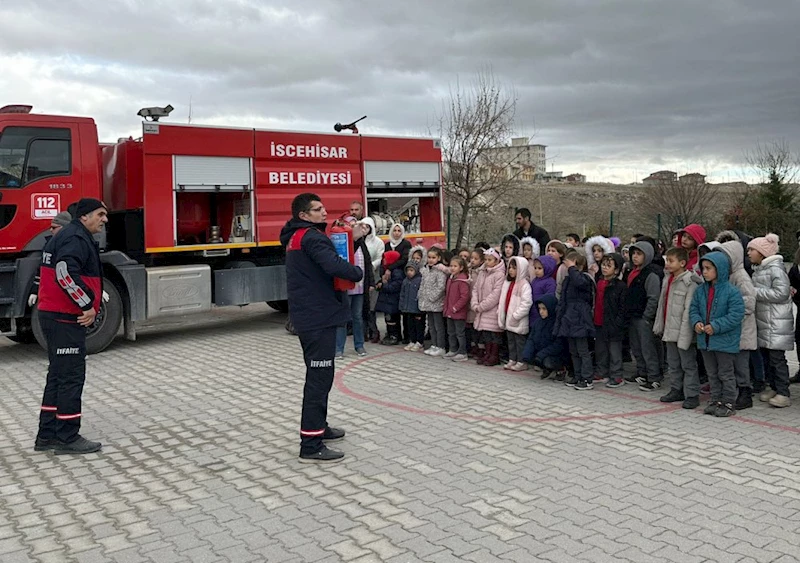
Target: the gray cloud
(614, 88)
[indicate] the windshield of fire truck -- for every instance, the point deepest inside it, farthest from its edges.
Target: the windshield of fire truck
(30, 153)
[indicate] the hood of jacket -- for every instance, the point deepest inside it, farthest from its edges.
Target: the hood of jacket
(647, 249)
(523, 271)
(710, 246)
(721, 263)
(414, 265)
(733, 249)
(414, 249)
(602, 242)
(293, 225)
(697, 232)
(514, 240)
(371, 236)
(550, 302)
(534, 245)
(549, 265)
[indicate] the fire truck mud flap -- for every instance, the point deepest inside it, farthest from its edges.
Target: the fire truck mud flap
(243, 283)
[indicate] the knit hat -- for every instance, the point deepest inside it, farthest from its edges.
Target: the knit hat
(615, 241)
(390, 257)
(88, 205)
(767, 245)
(62, 219)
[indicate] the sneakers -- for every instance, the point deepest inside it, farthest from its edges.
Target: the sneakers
(509, 364)
(673, 396)
(614, 383)
(711, 407)
(449, 355)
(724, 410)
(79, 446)
(780, 401)
(390, 340)
(561, 375)
(650, 385)
(691, 403)
(325, 455)
(437, 352)
(361, 352)
(795, 378)
(597, 378)
(705, 389)
(431, 350)
(409, 347)
(571, 382)
(339, 356)
(545, 374)
(519, 366)
(640, 379)
(44, 444)
(460, 358)
(418, 347)
(745, 399)
(333, 434)
(766, 395)
(583, 385)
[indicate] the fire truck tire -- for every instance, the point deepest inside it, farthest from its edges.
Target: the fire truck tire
(105, 329)
(280, 306)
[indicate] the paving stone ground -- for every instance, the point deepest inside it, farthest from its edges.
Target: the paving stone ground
(445, 462)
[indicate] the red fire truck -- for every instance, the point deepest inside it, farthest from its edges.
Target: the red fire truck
(195, 211)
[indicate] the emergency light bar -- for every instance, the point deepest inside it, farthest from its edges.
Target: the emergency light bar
(17, 108)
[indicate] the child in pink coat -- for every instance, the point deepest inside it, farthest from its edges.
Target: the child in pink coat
(456, 306)
(485, 302)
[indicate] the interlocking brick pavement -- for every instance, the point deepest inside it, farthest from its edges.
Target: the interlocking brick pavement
(445, 462)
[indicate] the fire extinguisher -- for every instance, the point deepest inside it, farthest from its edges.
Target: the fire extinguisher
(342, 238)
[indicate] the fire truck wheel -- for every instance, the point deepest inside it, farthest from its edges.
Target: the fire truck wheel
(105, 328)
(280, 306)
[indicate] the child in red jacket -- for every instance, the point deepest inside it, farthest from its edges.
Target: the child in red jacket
(456, 307)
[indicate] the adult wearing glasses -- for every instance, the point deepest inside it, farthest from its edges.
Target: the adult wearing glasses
(316, 309)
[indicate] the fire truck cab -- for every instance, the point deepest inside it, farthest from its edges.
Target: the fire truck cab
(194, 211)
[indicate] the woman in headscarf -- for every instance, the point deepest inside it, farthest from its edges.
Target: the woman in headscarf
(398, 243)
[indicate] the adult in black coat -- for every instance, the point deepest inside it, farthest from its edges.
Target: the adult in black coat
(526, 228)
(315, 309)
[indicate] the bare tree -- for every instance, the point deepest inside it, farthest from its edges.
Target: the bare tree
(778, 168)
(679, 202)
(474, 122)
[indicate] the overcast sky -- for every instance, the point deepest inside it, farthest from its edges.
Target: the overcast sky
(616, 88)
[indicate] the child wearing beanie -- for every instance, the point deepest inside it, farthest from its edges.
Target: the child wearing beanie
(774, 316)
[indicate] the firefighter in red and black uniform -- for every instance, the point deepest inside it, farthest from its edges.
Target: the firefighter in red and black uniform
(315, 309)
(70, 293)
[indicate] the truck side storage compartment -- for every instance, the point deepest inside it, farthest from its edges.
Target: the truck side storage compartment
(178, 290)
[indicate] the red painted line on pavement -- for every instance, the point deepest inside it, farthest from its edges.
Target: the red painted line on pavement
(766, 424)
(341, 386)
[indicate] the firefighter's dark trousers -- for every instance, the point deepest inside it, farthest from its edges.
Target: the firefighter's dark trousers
(60, 417)
(318, 349)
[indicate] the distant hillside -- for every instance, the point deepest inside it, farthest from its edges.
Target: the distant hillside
(581, 208)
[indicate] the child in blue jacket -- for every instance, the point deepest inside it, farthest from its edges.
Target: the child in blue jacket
(389, 297)
(716, 314)
(546, 351)
(409, 307)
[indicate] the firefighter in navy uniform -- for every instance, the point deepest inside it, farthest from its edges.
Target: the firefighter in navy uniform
(315, 310)
(70, 291)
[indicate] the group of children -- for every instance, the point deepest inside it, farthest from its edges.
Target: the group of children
(573, 312)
